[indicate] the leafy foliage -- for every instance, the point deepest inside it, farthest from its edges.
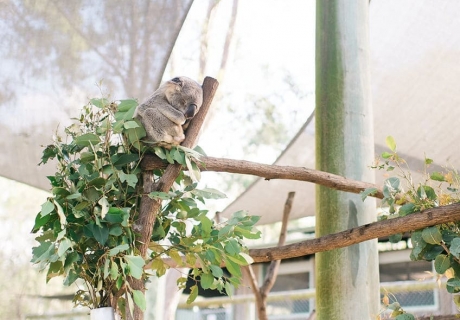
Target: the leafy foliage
(403, 196)
(85, 229)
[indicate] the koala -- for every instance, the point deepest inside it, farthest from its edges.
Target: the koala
(167, 113)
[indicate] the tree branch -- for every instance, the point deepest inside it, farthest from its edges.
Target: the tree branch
(272, 271)
(261, 293)
(269, 172)
(415, 221)
(149, 208)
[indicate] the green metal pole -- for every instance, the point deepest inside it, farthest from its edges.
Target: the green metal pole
(347, 280)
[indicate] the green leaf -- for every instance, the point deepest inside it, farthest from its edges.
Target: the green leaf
(455, 247)
(391, 186)
(98, 182)
(368, 192)
(386, 155)
(441, 263)
(126, 111)
(101, 234)
(60, 213)
(419, 245)
(59, 191)
(118, 249)
(232, 247)
(437, 176)
(390, 141)
(395, 238)
(130, 179)
(406, 209)
(113, 270)
(249, 233)
(216, 271)
(72, 276)
(232, 267)
(247, 257)
(135, 265)
(70, 259)
(453, 285)
(125, 158)
(116, 215)
(130, 124)
(47, 208)
(104, 206)
(209, 193)
(193, 294)
(139, 299)
(86, 157)
(100, 103)
(43, 252)
(126, 105)
(206, 280)
(40, 222)
(426, 192)
(432, 235)
(199, 150)
(63, 246)
(87, 139)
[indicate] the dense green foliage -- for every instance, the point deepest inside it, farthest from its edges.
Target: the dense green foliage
(404, 196)
(85, 229)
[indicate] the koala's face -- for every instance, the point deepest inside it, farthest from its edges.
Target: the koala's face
(185, 95)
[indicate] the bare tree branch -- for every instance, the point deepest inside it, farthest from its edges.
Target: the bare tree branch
(261, 293)
(415, 221)
(272, 172)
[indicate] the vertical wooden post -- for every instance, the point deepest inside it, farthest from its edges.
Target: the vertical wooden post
(347, 280)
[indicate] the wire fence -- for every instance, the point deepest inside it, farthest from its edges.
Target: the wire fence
(421, 298)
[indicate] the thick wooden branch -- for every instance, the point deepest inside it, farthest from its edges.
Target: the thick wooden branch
(419, 220)
(272, 172)
(149, 208)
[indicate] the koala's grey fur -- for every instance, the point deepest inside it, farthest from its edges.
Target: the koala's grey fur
(165, 115)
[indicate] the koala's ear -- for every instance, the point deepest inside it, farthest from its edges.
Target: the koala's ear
(177, 80)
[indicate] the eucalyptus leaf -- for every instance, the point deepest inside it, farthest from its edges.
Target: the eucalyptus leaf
(47, 208)
(441, 263)
(87, 140)
(455, 247)
(135, 265)
(139, 299)
(390, 141)
(432, 235)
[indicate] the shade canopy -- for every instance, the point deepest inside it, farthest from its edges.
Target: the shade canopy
(415, 67)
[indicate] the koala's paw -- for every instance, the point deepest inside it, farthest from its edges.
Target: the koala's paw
(179, 138)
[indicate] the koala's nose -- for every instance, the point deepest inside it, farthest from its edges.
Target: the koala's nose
(191, 110)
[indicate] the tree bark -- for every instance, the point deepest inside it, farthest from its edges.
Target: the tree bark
(149, 208)
(261, 293)
(269, 172)
(414, 221)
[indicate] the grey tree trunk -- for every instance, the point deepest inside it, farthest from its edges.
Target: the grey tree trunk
(347, 280)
